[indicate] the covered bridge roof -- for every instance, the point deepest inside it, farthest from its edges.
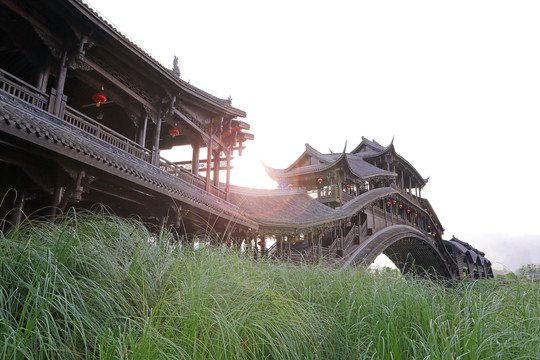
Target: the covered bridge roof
(295, 209)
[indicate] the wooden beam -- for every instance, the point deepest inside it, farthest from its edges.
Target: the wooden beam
(33, 21)
(116, 82)
(246, 136)
(216, 140)
(212, 168)
(202, 161)
(240, 124)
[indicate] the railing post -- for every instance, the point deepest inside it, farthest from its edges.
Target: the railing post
(62, 106)
(52, 101)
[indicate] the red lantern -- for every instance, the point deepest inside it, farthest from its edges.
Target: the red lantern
(394, 202)
(408, 211)
(319, 180)
(349, 186)
(388, 203)
(415, 215)
(174, 132)
(400, 206)
(99, 98)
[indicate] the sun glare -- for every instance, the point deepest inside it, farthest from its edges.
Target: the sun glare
(246, 171)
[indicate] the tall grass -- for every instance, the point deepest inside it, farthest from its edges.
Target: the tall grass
(96, 286)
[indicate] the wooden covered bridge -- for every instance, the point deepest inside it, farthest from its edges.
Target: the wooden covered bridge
(85, 114)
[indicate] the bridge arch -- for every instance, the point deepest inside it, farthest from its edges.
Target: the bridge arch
(408, 248)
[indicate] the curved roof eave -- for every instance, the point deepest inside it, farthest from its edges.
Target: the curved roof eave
(317, 168)
(391, 149)
(272, 172)
(310, 150)
(217, 103)
(288, 171)
(295, 162)
(371, 144)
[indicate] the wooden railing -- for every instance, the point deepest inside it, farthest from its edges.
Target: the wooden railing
(111, 137)
(343, 242)
(331, 194)
(187, 176)
(31, 95)
(348, 241)
(345, 196)
(181, 173)
(23, 91)
(272, 250)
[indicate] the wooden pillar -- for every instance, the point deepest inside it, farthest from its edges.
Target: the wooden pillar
(311, 246)
(57, 196)
(60, 83)
(142, 132)
(195, 158)
(155, 146)
(339, 186)
(228, 176)
(43, 78)
(217, 163)
(209, 160)
(18, 208)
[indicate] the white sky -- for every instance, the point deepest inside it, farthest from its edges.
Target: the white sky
(457, 83)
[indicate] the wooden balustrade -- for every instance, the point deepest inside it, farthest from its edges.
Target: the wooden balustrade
(111, 137)
(23, 91)
(31, 95)
(346, 197)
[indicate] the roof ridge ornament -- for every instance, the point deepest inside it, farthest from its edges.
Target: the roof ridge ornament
(176, 69)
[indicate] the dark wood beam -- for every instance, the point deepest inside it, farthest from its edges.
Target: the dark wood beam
(215, 139)
(117, 83)
(212, 168)
(202, 161)
(240, 124)
(33, 21)
(246, 136)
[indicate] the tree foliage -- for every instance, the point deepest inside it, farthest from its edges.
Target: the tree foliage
(528, 269)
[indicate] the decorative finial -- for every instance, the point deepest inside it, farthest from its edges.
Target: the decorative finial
(176, 69)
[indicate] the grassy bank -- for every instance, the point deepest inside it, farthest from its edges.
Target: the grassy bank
(93, 286)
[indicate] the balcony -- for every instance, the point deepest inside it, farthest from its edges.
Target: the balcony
(17, 88)
(330, 194)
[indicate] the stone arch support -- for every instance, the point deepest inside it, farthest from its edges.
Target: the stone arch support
(409, 248)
